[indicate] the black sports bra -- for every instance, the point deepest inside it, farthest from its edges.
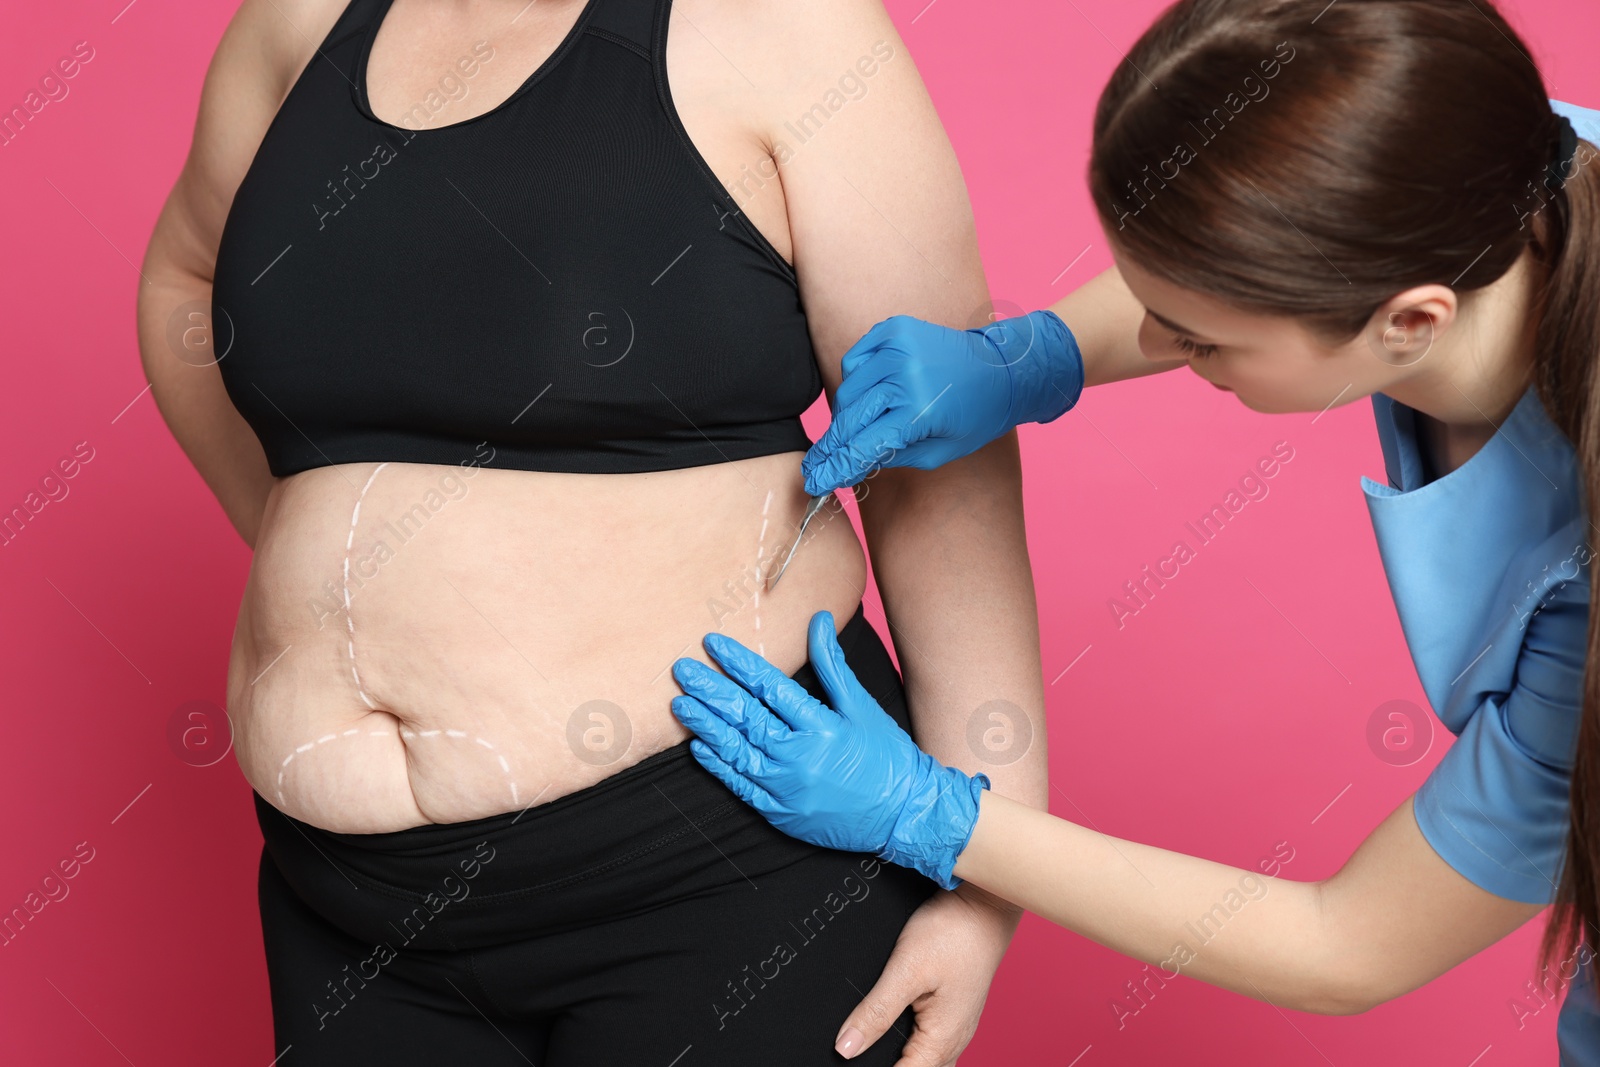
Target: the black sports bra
(558, 284)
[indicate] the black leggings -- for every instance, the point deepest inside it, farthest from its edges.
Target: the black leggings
(651, 920)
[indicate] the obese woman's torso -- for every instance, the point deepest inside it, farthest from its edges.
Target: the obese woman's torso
(423, 642)
(493, 639)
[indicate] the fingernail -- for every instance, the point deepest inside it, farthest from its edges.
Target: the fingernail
(849, 1043)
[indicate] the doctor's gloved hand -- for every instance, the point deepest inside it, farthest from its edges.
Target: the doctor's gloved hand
(919, 395)
(845, 777)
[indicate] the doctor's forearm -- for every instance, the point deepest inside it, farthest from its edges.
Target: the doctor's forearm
(1263, 937)
(1104, 318)
(1394, 917)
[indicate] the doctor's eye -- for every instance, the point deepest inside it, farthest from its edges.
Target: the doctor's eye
(1193, 347)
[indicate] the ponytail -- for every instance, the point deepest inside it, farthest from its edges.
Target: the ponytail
(1568, 351)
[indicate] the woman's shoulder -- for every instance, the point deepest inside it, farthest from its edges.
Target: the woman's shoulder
(268, 43)
(794, 47)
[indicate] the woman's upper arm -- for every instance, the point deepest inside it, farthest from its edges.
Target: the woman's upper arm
(877, 207)
(261, 53)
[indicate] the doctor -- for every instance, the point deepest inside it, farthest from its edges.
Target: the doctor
(1308, 204)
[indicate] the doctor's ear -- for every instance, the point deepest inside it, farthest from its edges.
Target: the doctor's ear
(1404, 330)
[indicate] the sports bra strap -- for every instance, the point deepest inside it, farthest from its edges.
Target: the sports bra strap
(353, 21)
(632, 21)
(372, 374)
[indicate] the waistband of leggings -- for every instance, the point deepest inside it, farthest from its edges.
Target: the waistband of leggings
(669, 763)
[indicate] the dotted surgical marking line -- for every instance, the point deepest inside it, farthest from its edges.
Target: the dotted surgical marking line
(462, 735)
(350, 623)
(761, 648)
(406, 735)
(350, 644)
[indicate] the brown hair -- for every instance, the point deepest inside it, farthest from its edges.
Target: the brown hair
(1298, 159)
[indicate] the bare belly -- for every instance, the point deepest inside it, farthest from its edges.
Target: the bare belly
(422, 643)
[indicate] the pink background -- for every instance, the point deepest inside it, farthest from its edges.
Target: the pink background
(1229, 715)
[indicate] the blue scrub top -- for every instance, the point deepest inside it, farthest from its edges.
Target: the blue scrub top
(1489, 567)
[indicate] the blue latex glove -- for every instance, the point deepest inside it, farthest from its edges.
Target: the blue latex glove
(845, 777)
(919, 395)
